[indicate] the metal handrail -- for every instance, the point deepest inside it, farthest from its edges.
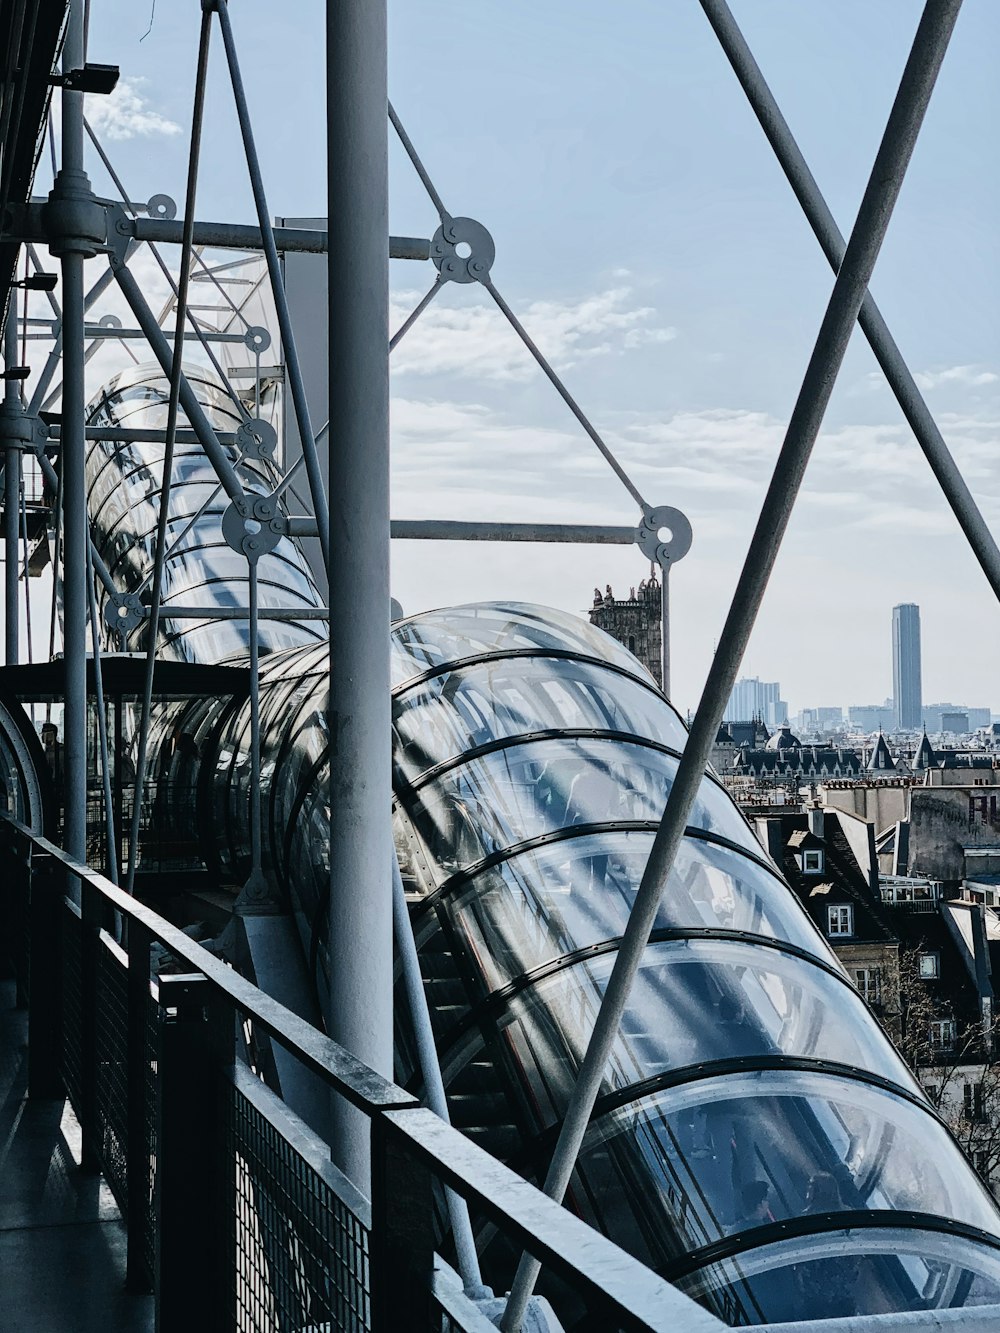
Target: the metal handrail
(605, 1276)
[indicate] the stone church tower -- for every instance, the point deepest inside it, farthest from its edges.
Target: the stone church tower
(634, 621)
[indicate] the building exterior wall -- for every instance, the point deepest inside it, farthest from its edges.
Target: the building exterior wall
(906, 683)
(884, 804)
(634, 621)
(944, 821)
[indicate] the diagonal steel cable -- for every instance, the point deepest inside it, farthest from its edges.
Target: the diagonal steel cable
(165, 270)
(881, 193)
(418, 166)
(177, 371)
(289, 350)
(565, 395)
(825, 228)
(415, 314)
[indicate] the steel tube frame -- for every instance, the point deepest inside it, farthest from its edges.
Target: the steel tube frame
(359, 1008)
(430, 1069)
(73, 465)
(177, 383)
(193, 409)
(887, 353)
(289, 351)
(11, 494)
(55, 355)
(446, 530)
(929, 46)
(233, 236)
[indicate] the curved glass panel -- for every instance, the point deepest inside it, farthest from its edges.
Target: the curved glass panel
(844, 1273)
(545, 903)
(124, 484)
(692, 1001)
(743, 1150)
(432, 640)
(459, 710)
(501, 799)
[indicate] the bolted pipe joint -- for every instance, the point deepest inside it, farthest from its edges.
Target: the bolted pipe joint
(19, 430)
(73, 219)
(254, 527)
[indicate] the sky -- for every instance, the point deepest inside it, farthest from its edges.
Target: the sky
(648, 241)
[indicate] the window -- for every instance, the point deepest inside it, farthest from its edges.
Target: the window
(972, 1101)
(812, 863)
(930, 966)
(869, 982)
(932, 1092)
(981, 1158)
(840, 920)
(942, 1033)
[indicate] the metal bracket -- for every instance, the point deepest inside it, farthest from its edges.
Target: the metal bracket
(255, 527)
(162, 207)
(18, 430)
(257, 438)
(123, 612)
(664, 536)
(463, 251)
(257, 338)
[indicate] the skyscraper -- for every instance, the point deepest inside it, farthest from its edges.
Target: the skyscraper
(906, 691)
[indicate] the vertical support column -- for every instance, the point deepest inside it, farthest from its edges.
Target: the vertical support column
(45, 888)
(90, 946)
(359, 1009)
(75, 223)
(401, 1254)
(665, 628)
(140, 1111)
(12, 491)
(196, 1053)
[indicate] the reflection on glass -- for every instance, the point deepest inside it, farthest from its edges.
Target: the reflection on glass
(429, 641)
(544, 903)
(499, 800)
(842, 1273)
(692, 1001)
(459, 710)
(748, 1149)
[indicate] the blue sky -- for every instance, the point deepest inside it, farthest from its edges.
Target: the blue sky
(649, 242)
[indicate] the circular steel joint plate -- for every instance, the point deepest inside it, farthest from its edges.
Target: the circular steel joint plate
(256, 439)
(664, 535)
(463, 251)
(257, 339)
(253, 534)
(124, 612)
(162, 207)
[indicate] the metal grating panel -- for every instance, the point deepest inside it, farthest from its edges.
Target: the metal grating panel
(72, 1007)
(298, 1253)
(150, 1067)
(112, 1067)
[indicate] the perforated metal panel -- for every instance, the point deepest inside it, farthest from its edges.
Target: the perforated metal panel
(112, 1068)
(298, 1252)
(72, 1037)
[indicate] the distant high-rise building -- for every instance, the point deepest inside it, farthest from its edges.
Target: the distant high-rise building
(752, 698)
(906, 689)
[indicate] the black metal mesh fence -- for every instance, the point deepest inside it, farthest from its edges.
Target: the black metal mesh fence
(72, 1007)
(112, 1068)
(298, 1253)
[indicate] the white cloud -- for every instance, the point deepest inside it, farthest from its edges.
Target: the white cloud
(473, 339)
(970, 377)
(126, 114)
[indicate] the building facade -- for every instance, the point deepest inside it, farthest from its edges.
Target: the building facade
(906, 683)
(635, 621)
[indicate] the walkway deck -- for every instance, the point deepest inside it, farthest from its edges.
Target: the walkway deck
(62, 1242)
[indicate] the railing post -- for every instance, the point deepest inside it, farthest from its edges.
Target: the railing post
(196, 1052)
(140, 1110)
(44, 886)
(15, 916)
(401, 1248)
(90, 943)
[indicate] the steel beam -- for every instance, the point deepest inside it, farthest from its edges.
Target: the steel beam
(11, 492)
(233, 236)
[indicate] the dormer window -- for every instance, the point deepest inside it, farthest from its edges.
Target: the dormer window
(840, 920)
(812, 862)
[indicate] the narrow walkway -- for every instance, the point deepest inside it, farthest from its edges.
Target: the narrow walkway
(62, 1241)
